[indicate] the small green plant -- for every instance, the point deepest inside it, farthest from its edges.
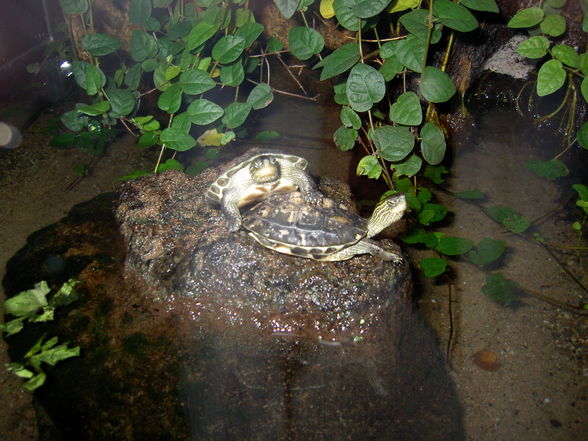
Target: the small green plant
(184, 53)
(562, 67)
(36, 306)
(399, 133)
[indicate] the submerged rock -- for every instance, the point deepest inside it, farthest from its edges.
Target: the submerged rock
(190, 332)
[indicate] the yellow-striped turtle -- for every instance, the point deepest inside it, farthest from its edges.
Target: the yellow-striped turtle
(256, 176)
(327, 231)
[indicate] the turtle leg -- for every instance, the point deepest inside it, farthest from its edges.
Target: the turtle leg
(231, 212)
(305, 184)
(364, 246)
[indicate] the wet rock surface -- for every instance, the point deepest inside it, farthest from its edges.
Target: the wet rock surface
(189, 332)
(183, 249)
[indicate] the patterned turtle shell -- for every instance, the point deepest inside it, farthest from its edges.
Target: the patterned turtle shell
(289, 225)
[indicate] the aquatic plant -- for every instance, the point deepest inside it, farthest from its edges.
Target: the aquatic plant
(36, 305)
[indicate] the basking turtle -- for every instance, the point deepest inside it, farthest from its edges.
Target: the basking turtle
(328, 231)
(254, 178)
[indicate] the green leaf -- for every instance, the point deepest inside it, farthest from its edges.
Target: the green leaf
(469, 194)
(200, 34)
(508, 218)
(551, 77)
(501, 290)
(582, 135)
(171, 72)
(228, 48)
(182, 121)
(195, 82)
(53, 355)
(584, 88)
(236, 114)
(433, 266)
(435, 173)
(481, 5)
(35, 382)
(432, 144)
(566, 54)
(74, 6)
(261, 96)
(133, 77)
(534, 47)
(178, 30)
(267, 135)
(436, 86)
(203, 112)
(122, 102)
(432, 213)
(550, 170)
(365, 87)
(64, 140)
(411, 53)
(143, 45)
(274, 45)
(149, 65)
(345, 15)
(66, 294)
(146, 123)
(349, 118)
(170, 100)
(74, 120)
(250, 32)
(391, 67)
(345, 138)
(421, 236)
(369, 8)
(582, 202)
(553, 25)
(232, 74)
(88, 77)
(287, 7)
(95, 109)
(526, 18)
(393, 143)
(28, 303)
(140, 11)
(100, 44)
(454, 16)
(170, 164)
(341, 60)
(454, 246)
(408, 167)
(305, 42)
(370, 167)
(487, 251)
(12, 327)
(177, 139)
(583, 63)
(417, 23)
(407, 110)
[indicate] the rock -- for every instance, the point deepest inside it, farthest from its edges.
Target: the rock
(189, 332)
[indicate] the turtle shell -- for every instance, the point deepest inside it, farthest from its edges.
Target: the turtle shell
(215, 192)
(288, 224)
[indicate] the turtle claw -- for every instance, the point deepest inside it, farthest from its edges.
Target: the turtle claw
(233, 224)
(313, 197)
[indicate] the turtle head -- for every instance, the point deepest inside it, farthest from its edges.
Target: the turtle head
(387, 212)
(264, 169)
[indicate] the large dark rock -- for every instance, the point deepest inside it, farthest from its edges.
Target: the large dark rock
(191, 332)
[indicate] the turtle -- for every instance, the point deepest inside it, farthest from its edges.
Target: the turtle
(255, 177)
(329, 231)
